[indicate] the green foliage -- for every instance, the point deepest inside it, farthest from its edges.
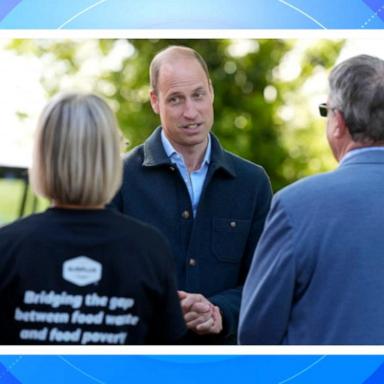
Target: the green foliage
(252, 97)
(11, 192)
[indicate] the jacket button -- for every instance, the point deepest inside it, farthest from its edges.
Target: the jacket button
(185, 214)
(233, 224)
(172, 168)
(192, 262)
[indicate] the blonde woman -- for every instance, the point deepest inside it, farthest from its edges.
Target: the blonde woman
(79, 273)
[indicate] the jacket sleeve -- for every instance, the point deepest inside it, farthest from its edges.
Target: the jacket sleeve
(168, 326)
(171, 325)
(269, 288)
(229, 301)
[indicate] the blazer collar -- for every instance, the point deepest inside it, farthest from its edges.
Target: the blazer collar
(154, 154)
(367, 155)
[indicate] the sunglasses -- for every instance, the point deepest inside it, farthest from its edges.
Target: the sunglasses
(323, 109)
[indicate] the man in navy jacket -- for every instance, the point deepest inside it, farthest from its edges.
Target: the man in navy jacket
(209, 203)
(317, 274)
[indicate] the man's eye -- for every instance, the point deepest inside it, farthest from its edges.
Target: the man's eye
(174, 100)
(198, 95)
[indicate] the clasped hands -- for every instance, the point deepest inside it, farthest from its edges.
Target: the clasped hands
(200, 315)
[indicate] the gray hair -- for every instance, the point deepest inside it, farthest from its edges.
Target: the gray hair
(173, 52)
(357, 90)
(77, 151)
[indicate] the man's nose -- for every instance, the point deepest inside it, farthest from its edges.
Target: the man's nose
(190, 110)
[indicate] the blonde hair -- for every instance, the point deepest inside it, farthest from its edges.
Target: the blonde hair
(77, 151)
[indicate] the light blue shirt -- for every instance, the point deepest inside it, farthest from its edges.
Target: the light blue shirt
(356, 151)
(194, 181)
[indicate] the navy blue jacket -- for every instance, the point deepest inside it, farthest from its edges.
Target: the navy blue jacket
(213, 251)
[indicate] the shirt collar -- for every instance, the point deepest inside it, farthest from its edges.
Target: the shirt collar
(171, 151)
(154, 154)
(357, 151)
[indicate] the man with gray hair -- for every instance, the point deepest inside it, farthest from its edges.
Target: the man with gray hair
(317, 274)
(210, 204)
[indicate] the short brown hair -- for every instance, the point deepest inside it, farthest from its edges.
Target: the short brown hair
(173, 51)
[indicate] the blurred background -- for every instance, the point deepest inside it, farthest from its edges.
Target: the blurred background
(266, 99)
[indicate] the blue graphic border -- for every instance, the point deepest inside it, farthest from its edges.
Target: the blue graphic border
(298, 369)
(200, 14)
(211, 15)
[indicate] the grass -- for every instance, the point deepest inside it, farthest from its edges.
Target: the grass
(11, 193)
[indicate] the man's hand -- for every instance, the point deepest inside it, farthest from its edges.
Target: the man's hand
(200, 315)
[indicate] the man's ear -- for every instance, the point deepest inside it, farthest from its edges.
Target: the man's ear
(341, 128)
(154, 101)
(211, 90)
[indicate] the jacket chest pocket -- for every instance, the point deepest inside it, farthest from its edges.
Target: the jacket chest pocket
(229, 237)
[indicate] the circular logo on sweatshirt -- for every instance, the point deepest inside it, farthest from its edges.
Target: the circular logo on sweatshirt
(82, 271)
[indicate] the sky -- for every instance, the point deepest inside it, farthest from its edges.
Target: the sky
(20, 91)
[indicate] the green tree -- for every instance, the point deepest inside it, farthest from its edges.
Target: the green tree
(251, 95)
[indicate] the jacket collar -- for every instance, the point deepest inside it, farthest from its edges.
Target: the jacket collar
(364, 156)
(154, 154)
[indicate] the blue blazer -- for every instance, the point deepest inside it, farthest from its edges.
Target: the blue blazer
(213, 251)
(318, 272)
